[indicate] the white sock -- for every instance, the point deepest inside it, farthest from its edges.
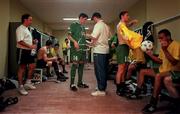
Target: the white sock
(21, 86)
(28, 81)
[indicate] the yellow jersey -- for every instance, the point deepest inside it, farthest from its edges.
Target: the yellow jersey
(137, 54)
(131, 38)
(174, 50)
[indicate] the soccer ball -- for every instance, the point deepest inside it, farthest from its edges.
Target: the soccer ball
(146, 45)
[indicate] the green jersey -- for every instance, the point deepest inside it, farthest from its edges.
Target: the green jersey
(114, 40)
(78, 32)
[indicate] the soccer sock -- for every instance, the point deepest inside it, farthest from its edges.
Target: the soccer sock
(80, 73)
(73, 72)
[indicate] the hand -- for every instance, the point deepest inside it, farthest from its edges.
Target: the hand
(112, 45)
(94, 40)
(33, 47)
(164, 45)
(76, 45)
(55, 58)
(88, 35)
(35, 41)
(149, 52)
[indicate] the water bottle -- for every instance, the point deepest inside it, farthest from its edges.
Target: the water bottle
(33, 51)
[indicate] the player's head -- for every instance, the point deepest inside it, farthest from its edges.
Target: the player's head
(164, 34)
(83, 18)
(56, 46)
(26, 19)
(124, 16)
(96, 16)
(49, 43)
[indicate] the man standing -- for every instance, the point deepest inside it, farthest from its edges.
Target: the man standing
(122, 50)
(78, 50)
(100, 37)
(25, 56)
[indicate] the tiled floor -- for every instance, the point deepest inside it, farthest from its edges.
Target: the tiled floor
(53, 98)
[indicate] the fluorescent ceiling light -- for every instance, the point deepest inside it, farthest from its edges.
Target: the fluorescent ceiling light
(87, 28)
(72, 19)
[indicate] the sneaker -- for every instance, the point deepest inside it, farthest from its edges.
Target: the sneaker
(29, 86)
(120, 92)
(22, 91)
(73, 87)
(83, 85)
(98, 93)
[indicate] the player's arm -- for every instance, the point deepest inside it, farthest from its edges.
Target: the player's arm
(27, 45)
(20, 38)
(170, 57)
(72, 28)
(76, 45)
(45, 58)
(154, 58)
(132, 22)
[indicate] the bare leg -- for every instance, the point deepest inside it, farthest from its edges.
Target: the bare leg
(123, 72)
(21, 70)
(120, 73)
(131, 68)
(170, 87)
(158, 82)
(118, 79)
(31, 70)
(142, 74)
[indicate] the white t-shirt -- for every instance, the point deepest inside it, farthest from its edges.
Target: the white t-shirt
(102, 33)
(23, 34)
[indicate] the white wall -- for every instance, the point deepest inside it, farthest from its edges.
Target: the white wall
(4, 22)
(158, 10)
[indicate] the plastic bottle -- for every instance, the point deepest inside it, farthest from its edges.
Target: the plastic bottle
(33, 51)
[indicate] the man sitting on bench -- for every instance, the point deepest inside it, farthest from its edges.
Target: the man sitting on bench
(45, 62)
(169, 57)
(55, 51)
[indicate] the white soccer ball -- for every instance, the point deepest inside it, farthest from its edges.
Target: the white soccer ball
(146, 45)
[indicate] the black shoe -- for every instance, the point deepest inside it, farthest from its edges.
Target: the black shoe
(149, 109)
(63, 76)
(61, 79)
(73, 87)
(120, 92)
(49, 75)
(65, 71)
(83, 85)
(11, 101)
(134, 96)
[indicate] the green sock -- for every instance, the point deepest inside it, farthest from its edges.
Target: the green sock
(73, 72)
(80, 73)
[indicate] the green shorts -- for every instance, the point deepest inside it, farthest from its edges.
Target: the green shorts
(77, 55)
(175, 75)
(122, 52)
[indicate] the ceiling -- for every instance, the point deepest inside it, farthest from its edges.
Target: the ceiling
(52, 11)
